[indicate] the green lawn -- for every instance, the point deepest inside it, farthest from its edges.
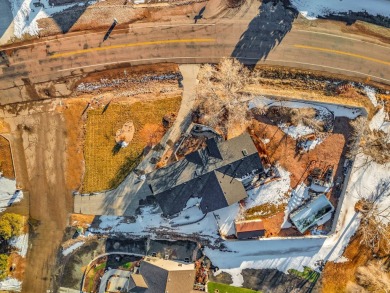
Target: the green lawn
(223, 288)
(307, 274)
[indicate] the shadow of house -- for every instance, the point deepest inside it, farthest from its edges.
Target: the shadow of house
(265, 31)
(68, 17)
(5, 17)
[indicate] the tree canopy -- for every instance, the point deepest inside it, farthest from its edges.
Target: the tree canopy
(10, 225)
(3, 266)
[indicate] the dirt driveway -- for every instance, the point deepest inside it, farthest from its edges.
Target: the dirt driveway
(38, 140)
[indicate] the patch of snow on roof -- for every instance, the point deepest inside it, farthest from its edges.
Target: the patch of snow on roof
(312, 9)
(20, 243)
(8, 193)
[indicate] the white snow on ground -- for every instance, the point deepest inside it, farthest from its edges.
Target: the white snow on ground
(26, 15)
(371, 94)
(338, 111)
(311, 144)
(10, 284)
(273, 192)
(298, 196)
(72, 248)
(8, 193)
(296, 131)
(311, 9)
(378, 121)
(21, 243)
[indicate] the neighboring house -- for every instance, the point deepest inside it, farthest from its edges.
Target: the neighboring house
(249, 229)
(155, 275)
(211, 174)
(163, 276)
(316, 212)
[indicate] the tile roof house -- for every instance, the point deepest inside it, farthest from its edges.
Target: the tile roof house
(211, 173)
(249, 229)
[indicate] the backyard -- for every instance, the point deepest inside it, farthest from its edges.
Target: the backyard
(223, 288)
(107, 163)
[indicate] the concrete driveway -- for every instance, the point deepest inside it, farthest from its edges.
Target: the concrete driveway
(6, 22)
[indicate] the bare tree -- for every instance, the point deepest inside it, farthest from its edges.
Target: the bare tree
(374, 143)
(220, 99)
(374, 225)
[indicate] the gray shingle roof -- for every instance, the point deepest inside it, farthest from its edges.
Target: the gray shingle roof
(205, 174)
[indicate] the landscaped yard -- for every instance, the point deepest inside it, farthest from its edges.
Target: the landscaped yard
(106, 165)
(307, 274)
(223, 288)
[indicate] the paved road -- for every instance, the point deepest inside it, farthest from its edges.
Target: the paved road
(268, 36)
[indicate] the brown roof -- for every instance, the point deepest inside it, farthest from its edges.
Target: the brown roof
(247, 226)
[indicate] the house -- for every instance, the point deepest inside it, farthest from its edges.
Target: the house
(163, 276)
(316, 212)
(155, 275)
(249, 229)
(212, 174)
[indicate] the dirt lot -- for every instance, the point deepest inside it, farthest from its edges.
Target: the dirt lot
(6, 165)
(39, 145)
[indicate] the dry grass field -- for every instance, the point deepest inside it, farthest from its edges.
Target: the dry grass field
(105, 165)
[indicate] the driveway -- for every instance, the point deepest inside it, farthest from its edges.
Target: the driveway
(6, 24)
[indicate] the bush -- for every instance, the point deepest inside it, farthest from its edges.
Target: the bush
(5, 230)
(3, 266)
(10, 225)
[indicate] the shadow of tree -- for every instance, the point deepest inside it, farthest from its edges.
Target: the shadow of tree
(265, 31)
(129, 165)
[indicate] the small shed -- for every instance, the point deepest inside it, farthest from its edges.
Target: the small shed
(249, 229)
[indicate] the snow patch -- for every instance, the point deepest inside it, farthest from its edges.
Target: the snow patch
(72, 248)
(273, 192)
(296, 131)
(20, 243)
(315, 8)
(26, 15)
(370, 92)
(9, 194)
(11, 284)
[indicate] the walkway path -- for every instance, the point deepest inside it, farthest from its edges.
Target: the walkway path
(124, 200)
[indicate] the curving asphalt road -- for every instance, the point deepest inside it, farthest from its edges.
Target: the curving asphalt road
(269, 37)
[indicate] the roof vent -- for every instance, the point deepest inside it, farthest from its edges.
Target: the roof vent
(245, 152)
